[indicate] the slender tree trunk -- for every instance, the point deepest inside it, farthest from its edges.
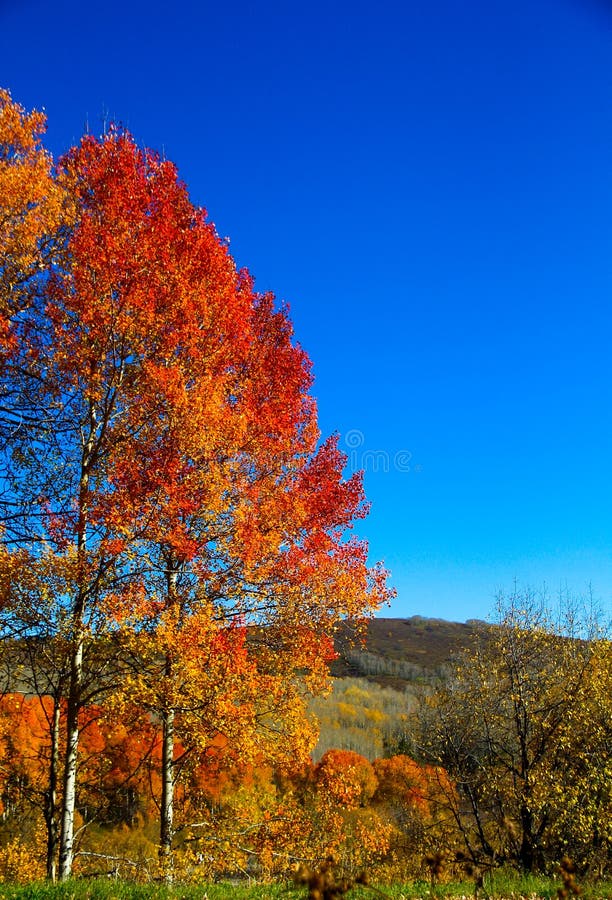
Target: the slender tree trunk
(66, 854)
(167, 796)
(528, 848)
(50, 807)
(66, 850)
(166, 831)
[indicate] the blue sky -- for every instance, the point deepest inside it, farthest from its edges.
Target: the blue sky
(429, 186)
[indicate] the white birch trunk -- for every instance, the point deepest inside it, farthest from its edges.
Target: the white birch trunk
(166, 833)
(50, 809)
(167, 797)
(66, 849)
(66, 854)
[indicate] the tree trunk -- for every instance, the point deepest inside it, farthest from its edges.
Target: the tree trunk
(66, 850)
(50, 803)
(528, 851)
(167, 796)
(167, 762)
(66, 854)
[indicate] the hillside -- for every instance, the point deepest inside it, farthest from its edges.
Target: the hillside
(397, 651)
(378, 683)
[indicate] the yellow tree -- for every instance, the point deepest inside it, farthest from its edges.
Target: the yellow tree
(499, 727)
(32, 206)
(34, 210)
(582, 791)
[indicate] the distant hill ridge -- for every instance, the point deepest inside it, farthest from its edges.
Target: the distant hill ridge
(397, 651)
(380, 682)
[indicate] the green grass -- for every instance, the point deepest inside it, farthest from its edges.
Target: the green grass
(502, 887)
(123, 890)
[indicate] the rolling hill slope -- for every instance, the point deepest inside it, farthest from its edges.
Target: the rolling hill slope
(378, 683)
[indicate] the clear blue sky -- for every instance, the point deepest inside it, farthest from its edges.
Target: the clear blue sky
(429, 185)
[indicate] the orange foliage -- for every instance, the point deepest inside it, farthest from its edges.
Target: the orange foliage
(32, 207)
(217, 461)
(213, 476)
(378, 816)
(346, 777)
(118, 758)
(404, 781)
(200, 517)
(119, 765)
(25, 744)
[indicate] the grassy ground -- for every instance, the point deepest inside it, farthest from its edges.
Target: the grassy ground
(503, 888)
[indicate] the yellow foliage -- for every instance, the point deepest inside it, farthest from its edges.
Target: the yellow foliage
(20, 859)
(376, 716)
(523, 729)
(33, 203)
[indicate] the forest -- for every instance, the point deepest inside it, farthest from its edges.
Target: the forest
(180, 580)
